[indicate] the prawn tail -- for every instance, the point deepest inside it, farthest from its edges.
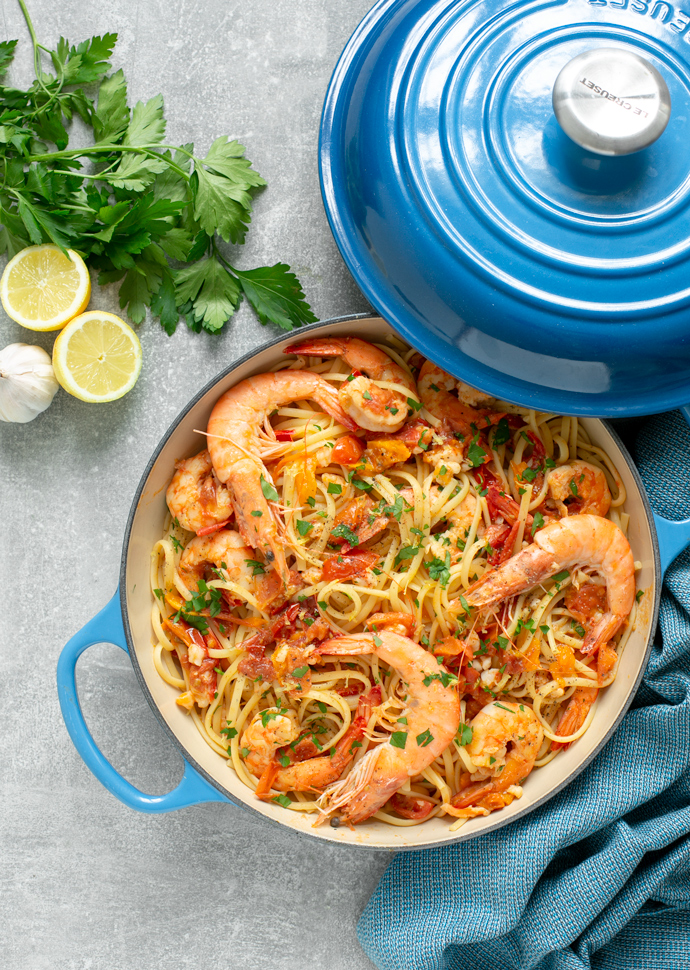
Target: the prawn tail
(341, 795)
(600, 634)
(263, 789)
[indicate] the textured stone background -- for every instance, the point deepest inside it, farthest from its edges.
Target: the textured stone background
(86, 883)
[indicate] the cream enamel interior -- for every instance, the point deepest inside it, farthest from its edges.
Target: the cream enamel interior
(147, 526)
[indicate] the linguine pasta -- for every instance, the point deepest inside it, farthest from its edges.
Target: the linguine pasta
(379, 544)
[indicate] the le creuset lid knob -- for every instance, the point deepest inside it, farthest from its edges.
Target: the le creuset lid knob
(611, 101)
(509, 184)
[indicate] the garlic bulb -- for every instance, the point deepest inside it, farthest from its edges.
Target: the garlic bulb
(27, 382)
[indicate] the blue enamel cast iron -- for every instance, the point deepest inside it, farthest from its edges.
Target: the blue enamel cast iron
(509, 184)
(126, 622)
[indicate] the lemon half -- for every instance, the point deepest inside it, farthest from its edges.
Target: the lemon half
(97, 357)
(42, 289)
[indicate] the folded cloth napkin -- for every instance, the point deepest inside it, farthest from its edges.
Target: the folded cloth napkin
(600, 875)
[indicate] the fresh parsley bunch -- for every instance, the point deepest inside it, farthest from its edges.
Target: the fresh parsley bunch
(139, 203)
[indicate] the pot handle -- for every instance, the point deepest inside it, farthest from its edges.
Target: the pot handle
(107, 627)
(673, 535)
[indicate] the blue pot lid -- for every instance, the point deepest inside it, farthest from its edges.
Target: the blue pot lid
(529, 266)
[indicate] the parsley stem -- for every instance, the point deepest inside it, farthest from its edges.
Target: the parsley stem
(106, 149)
(36, 46)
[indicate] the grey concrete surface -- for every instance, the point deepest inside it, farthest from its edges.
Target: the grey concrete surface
(86, 883)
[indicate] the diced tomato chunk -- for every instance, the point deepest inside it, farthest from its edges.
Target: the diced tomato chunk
(345, 566)
(347, 450)
(411, 806)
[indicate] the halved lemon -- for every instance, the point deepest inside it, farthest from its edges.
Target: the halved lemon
(42, 289)
(97, 357)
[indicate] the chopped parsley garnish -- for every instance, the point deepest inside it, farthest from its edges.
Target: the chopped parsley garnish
(425, 738)
(446, 677)
(578, 628)
(439, 569)
(267, 716)
(528, 475)
(415, 405)
(573, 487)
(257, 514)
(282, 800)
(524, 625)
(503, 708)
(434, 388)
(401, 720)
(464, 735)
(361, 485)
(269, 490)
(321, 706)
(377, 641)
(229, 732)
(256, 566)
(544, 629)
(303, 527)
(399, 739)
(366, 396)
(502, 433)
(538, 522)
(311, 501)
(549, 463)
(343, 531)
(284, 760)
(334, 489)
(638, 595)
(464, 604)
(407, 552)
(559, 577)
(300, 671)
(159, 593)
(244, 752)
(476, 453)
(199, 622)
(177, 545)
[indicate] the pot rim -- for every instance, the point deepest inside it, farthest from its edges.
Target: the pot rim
(499, 823)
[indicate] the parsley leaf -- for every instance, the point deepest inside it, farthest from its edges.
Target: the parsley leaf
(501, 433)
(398, 739)
(303, 527)
(269, 490)
(439, 570)
(407, 552)
(538, 522)
(476, 453)
(343, 531)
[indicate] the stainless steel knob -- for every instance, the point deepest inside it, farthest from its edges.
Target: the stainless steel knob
(611, 101)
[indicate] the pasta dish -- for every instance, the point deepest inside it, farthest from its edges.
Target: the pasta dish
(383, 594)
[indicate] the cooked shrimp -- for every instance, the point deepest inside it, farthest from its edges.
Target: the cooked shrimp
(432, 712)
(582, 486)
(226, 550)
(402, 623)
(574, 716)
(372, 407)
(268, 731)
(458, 524)
(196, 498)
(314, 774)
(506, 737)
(435, 388)
(234, 442)
(586, 540)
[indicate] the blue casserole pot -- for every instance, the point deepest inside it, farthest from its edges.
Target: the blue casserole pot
(538, 270)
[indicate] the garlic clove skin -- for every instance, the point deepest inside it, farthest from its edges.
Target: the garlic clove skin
(27, 382)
